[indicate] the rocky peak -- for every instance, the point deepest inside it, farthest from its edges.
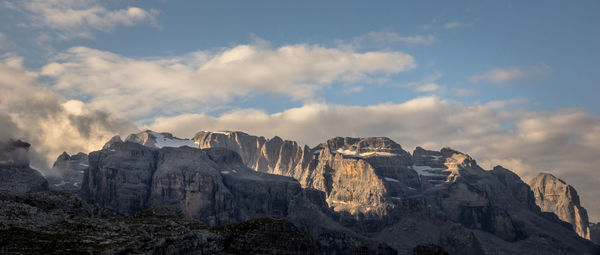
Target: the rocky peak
(14, 152)
(62, 157)
(70, 170)
(15, 174)
(364, 147)
(153, 139)
(112, 140)
(554, 195)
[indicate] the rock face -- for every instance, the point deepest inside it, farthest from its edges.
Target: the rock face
(554, 195)
(211, 185)
(364, 177)
(15, 174)
(70, 169)
(374, 178)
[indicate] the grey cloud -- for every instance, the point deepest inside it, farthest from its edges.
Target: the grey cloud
(38, 116)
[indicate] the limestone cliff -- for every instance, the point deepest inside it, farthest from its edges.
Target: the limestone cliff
(554, 195)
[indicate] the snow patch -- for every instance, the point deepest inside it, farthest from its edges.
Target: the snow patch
(379, 153)
(355, 154)
(427, 170)
(391, 179)
(225, 172)
(434, 157)
(162, 141)
(348, 153)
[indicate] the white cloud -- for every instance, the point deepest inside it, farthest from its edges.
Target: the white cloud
(461, 92)
(565, 142)
(200, 79)
(453, 25)
(80, 18)
(389, 38)
(500, 75)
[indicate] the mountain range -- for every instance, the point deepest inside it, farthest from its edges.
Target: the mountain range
(343, 196)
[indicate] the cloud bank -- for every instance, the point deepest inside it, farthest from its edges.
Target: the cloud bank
(205, 79)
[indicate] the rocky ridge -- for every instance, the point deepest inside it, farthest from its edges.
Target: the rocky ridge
(377, 189)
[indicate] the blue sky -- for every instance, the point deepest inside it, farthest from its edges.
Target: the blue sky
(510, 82)
(552, 42)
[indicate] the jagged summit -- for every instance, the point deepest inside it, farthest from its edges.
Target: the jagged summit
(363, 147)
(153, 139)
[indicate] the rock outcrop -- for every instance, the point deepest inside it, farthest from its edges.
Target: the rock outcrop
(554, 195)
(15, 174)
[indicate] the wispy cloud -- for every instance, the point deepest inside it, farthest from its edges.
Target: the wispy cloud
(381, 37)
(499, 75)
(462, 92)
(509, 74)
(453, 25)
(427, 84)
(81, 18)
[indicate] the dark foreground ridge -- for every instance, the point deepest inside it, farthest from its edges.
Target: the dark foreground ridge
(54, 222)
